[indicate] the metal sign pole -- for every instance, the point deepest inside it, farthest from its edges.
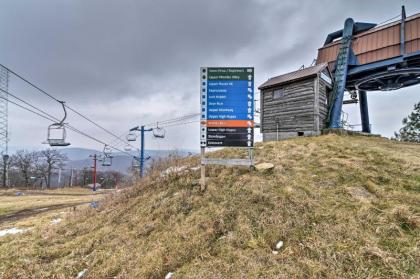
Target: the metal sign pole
(141, 151)
(203, 169)
(251, 158)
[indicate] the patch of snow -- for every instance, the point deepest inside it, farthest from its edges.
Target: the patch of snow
(81, 273)
(56, 221)
(171, 170)
(41, 209)
(169, 275)
(275, 252)
(12, 231)
(180, 169)
(279, 245)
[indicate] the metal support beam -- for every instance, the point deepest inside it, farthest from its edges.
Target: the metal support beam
(4, 133)
(364, 112)
(142, 158)
(141, 151)
(340, 75)
(402, 31)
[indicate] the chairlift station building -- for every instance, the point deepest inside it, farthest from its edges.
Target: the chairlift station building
(359, 58)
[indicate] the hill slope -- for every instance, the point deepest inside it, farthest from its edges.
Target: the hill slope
(343, 206)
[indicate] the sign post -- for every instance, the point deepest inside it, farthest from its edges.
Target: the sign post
(227, 113)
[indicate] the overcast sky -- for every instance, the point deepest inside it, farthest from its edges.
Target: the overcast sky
(126, 62)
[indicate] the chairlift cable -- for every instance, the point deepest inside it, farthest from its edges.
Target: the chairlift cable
(176, 119)
(51, 118)
(167, 123)
(179, 124)
(59, 101)
(96, 124)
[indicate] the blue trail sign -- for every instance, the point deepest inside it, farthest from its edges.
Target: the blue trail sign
(227, 107)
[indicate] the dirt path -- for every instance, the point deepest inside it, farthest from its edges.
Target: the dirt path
(25, 213)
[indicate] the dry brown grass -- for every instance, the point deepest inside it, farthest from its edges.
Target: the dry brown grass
(345, 207)
(33, 199)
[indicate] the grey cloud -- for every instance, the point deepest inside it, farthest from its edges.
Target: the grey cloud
(126, 62)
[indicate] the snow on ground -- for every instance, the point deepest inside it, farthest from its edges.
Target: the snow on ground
(12, 231)
(181, 169)
(56, 221)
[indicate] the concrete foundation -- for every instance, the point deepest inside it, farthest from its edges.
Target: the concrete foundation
(288, 135)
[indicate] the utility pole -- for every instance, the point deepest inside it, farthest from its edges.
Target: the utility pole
(84, 176)
(142, 159)
(71, 178)
(59, 177)
(94, 171)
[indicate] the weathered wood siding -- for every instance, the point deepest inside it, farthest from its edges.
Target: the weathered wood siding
(293, 111)
(324, 89)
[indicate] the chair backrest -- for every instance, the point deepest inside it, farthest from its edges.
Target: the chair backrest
(159, 133)
(131, 137)
(57, 135)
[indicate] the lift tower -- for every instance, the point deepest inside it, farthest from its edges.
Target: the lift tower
(4, 86)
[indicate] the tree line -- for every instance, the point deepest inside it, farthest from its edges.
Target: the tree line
(32, 168)
(45, 169)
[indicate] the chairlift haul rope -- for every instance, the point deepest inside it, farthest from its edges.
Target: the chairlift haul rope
(58, 124)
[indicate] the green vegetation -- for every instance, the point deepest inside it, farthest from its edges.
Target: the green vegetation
(345, 207)
(411, 129)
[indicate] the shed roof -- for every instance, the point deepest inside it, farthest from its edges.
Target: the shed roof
(293, 76)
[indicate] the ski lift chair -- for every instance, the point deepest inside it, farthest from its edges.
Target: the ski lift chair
(107, 161)
(107, 150)
(127, 148)
(131, 136)
(158, 132)
(135, 163)
(56, 135)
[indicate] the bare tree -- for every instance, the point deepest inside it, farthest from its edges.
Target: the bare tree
(24, 161)
(52, 159)
(41, 170)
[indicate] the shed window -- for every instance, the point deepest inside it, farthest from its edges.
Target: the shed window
(277, 94)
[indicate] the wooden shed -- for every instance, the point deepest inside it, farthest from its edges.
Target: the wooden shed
(295, 104)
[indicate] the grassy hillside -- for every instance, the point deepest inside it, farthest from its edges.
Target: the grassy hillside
(33, 200)
(345, 207)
